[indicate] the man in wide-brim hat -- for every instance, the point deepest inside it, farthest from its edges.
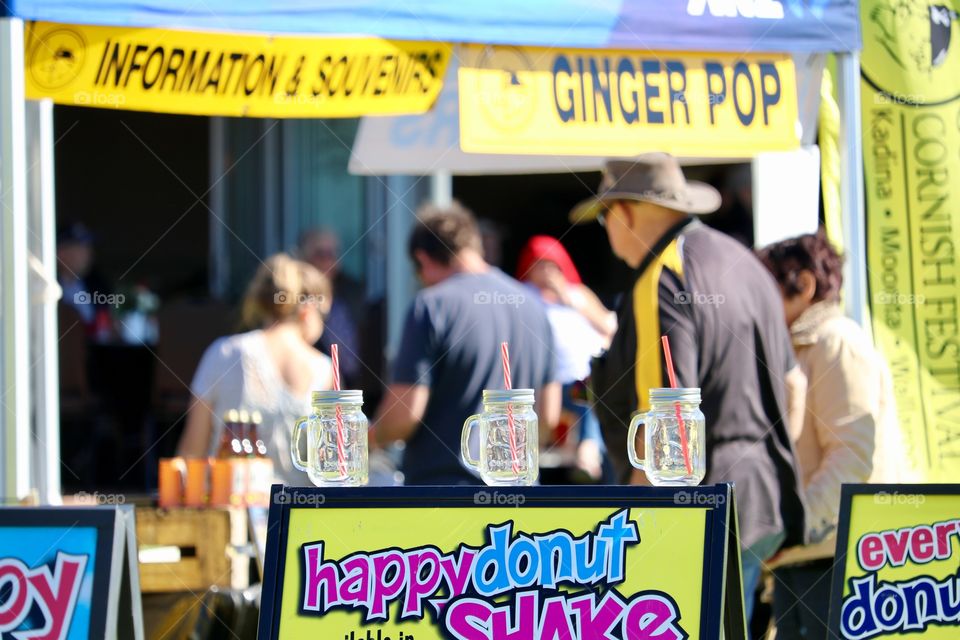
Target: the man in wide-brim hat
(723, 315)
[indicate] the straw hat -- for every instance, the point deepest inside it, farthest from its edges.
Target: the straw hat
(651, 177)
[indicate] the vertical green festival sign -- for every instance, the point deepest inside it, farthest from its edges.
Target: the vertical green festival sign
(910, 78)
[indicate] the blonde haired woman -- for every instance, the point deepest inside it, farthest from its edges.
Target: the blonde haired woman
(272, 369)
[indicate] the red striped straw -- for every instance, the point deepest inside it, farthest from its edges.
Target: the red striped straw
(508, 385)
(341, 449)
(665, 341)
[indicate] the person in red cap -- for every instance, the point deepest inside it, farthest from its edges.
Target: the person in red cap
(545, 264)
(582, 328)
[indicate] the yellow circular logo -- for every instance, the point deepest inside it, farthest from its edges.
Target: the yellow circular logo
(506, 87)
(57, 58)
(911, 50)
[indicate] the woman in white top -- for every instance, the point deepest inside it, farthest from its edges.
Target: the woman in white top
(272, 369)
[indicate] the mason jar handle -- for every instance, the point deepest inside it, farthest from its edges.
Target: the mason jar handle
(298, 462)
(465, 442)
(635, 423)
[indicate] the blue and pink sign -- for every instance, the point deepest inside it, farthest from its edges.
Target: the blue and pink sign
(55, 572)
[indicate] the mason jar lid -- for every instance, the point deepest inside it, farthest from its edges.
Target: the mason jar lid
(504, 395)
(680, 394)
(345, 396)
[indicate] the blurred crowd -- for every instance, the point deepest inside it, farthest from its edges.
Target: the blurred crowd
(797, 401)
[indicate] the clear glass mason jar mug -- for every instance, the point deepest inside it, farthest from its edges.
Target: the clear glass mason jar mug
(336, 448)
(664, 461)
(509, 441)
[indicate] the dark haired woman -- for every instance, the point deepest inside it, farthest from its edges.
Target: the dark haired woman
(849, 431)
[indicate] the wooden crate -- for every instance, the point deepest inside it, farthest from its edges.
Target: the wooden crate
(208, 540)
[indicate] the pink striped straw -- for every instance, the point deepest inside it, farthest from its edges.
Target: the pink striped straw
(671, 374)
(505, 356)
(508, 385)
(341, 449)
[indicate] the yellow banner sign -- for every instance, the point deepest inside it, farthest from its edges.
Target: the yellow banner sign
(896, 571)
(231, 75)
(622, 103)
(479, 564)
(910, 82)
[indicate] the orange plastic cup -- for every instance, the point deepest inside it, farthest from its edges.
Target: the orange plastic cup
(221, 481)
(195, 494)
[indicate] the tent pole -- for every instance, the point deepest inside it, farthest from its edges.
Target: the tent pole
(15, 337)
(44, 355)
(851, 188)
(441, 188)
(218, 260)
(400, 206)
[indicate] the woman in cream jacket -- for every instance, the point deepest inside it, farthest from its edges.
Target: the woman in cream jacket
(847, 431)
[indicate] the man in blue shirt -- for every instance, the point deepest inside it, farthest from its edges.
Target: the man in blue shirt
(450, 349)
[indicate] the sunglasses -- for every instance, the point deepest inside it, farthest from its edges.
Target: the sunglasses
(604, 212)
(607, 210)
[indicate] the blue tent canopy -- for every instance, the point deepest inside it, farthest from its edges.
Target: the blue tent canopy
(701, 25)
